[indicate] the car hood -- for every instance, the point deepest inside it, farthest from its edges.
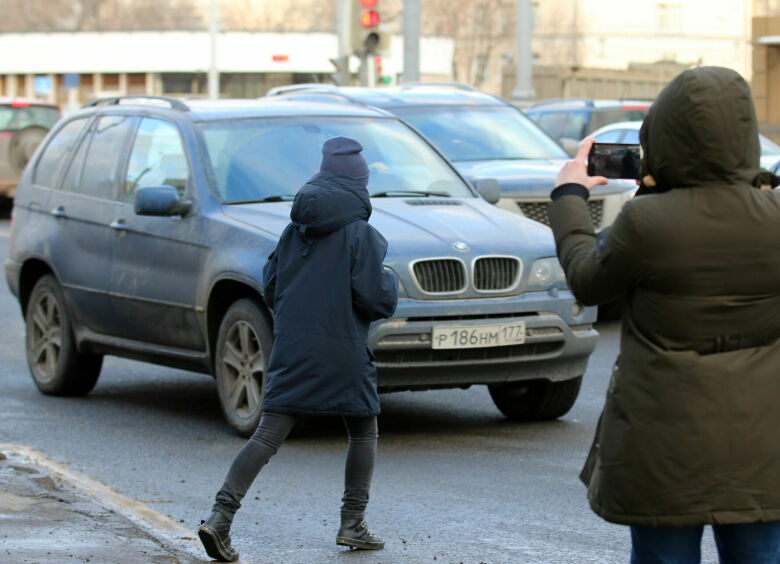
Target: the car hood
(428, 227)
(529, 178)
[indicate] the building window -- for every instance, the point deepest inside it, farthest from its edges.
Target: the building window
(668, 18)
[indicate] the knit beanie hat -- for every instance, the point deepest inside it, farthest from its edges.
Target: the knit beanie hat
(342, 154)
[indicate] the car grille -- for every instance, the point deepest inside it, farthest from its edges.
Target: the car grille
(495, 273)
(440, 275)
(538, 211)
(389, 358)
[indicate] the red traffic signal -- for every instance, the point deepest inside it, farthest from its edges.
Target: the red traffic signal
(370, 18)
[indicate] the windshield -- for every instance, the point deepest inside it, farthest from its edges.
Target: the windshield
(476, 133)
(768, 147)
(255, 159)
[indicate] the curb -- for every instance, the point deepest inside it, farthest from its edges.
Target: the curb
(168, 532)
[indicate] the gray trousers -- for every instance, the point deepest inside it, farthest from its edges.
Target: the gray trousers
(269, 436)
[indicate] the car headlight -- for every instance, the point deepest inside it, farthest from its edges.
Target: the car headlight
(546, 273)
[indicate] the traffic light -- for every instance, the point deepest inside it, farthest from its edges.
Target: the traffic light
(380, 77)
(368, 35)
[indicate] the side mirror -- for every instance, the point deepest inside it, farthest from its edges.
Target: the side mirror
(569, 145)
(489, 189)
(160, 201)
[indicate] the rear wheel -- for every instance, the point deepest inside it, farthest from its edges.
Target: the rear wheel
(56, 366)
(243, 349)
(536, 400)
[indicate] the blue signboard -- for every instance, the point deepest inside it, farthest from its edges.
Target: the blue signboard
(71, 81)
(42, 85)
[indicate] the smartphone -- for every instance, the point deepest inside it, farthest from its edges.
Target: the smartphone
(615, 160)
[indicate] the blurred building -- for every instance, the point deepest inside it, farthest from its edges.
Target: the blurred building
(71, 68)
(580, 47)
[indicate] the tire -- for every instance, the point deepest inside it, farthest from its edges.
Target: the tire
(241, 360)
(56, 366)
(537, 400)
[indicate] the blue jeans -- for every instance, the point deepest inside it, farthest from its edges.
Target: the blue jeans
(748, 543)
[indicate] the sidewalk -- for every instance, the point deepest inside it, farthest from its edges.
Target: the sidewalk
(47, 518)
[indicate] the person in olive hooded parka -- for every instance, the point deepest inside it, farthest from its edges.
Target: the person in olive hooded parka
(690, 431)
(325, 284)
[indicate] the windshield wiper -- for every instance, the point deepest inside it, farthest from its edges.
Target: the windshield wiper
(391, 193)
(275, 198)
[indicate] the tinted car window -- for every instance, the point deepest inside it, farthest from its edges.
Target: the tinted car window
(13, 118)
(157, 159)
(471, 133)
(101, 167)
(56, 154)
(575, 125)
(610, 136)
(631, 136)
(257, 158)
(72, 180)
(604, 116)
(552, 123)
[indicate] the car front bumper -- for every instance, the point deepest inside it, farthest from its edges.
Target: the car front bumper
(559, 339)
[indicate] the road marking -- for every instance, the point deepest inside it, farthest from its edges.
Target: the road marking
(160, 526)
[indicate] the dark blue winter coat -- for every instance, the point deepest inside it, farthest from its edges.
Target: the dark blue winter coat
(325, 283)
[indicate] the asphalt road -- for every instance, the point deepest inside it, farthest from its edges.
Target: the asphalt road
(454, 481)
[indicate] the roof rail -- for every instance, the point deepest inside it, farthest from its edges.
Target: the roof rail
(175, 103)
(546, 101)
(278, 90)
(317, 96)
(457, 85)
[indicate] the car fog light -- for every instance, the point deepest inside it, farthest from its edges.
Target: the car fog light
(576, 309)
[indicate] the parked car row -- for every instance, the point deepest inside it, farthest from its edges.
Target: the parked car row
(141, 227)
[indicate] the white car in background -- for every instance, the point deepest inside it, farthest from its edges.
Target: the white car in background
(628, 132)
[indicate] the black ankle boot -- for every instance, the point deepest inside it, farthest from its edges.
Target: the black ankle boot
(354, 533)
(214, 533)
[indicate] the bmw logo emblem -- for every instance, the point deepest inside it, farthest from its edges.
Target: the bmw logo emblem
(460, 246)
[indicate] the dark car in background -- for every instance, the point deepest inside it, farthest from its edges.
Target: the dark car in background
(141, 227)
(23, 125)
(570, 120)
(483, 136)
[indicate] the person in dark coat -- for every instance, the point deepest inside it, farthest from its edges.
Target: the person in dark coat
(690, 431)
(325, 284)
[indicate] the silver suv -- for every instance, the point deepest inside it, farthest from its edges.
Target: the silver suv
(483, 136)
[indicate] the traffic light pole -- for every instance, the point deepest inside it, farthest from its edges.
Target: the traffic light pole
(343, 26)
(411, 23)
(524, 88)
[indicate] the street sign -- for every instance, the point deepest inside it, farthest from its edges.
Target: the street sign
(42, 85)
(71, 81)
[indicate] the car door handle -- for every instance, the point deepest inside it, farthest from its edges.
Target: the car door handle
(119, 225)
(58, 212)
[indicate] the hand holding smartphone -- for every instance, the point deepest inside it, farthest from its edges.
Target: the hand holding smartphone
(615, 160)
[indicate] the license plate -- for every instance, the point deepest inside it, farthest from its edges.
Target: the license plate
(471, 337)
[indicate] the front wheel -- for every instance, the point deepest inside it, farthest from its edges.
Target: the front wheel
(537, 400)
(56, 366)
(243, 349)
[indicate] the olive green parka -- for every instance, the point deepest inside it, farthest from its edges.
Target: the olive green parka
(690, 431)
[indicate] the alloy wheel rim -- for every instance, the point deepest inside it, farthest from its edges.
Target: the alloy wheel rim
(46, 337)
(243, 368)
